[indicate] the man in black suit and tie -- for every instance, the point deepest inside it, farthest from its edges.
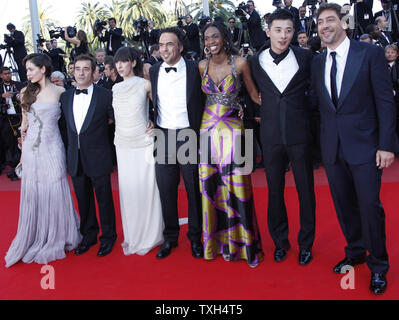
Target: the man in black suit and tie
(113, 37)
(390, 12)
(282, 74)
(382, 24)
(16, 40)
(178, 106)
(351, 86)
(87, 111)
(256, 35)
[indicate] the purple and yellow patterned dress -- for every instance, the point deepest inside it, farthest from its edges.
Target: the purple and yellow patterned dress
(229, 221)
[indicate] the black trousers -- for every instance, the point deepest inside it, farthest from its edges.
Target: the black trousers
(168, 179)
(276, 159)
(355, 190)
(89, 228)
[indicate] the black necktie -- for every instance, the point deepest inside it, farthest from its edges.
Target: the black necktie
(78, 91)
(333, 79)
(279, 57)
(171, 68)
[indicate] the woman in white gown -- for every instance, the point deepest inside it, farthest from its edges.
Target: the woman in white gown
(138, 191)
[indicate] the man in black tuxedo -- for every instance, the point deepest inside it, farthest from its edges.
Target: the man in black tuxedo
(282, 74)
(390, 11)
(382, 24)
(113, 37)
(256, 35)
(87, 111)
(178, 106)
(17, 41)
(352, 88)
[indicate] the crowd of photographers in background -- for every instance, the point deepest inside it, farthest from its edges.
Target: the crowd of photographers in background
(247, 28)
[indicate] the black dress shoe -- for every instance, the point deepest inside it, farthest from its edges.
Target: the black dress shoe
(105, 248)
(197, 249)
(166, 248)
(12, 176)
(378, 283)
(281, 253)
(348, 262)
(84, 247)
(305, 256)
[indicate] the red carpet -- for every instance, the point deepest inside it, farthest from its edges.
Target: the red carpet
(182, 277)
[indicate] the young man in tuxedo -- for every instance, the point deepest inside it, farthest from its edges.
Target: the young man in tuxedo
(282, 74)
(352, 88)
(87, 111)
(178, 105)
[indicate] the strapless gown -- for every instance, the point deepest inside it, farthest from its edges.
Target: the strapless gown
(48, 223)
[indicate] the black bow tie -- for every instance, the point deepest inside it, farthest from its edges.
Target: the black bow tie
(78, 91)
(279, 57)
(171, 68)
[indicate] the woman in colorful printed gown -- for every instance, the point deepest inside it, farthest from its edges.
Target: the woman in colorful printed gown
(229, 222)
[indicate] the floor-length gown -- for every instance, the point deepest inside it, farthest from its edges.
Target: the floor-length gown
(229, 221)
(48, 223)
(138, 191)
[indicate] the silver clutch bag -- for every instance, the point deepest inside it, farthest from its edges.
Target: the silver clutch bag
(18, 171)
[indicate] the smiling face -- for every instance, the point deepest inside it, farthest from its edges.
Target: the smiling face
(213, 40)
(170, 48)
(34, 73)
(280, 33)
(330, 28)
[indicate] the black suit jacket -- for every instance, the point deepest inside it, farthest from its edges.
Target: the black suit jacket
(18, 44)
(195, 96)
(116, 40)
(364, 120)
(285, 116)
(256, 34)
(93, 140)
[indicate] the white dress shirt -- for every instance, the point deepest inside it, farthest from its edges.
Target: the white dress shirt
(11, 107)
(341, 57)
(172, 97)
(81, 104)
(282, 73)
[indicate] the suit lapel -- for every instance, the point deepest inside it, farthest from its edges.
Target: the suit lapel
(154, 85)
(352, 68)
(70, 115)
(190, 79)
(90, 112)
(322, 80)
(301, 65)
(264, 73)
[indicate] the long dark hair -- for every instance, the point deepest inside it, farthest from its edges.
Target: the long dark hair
(32, 89)
(228, 42)
(130, 54)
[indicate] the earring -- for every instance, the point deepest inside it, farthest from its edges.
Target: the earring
(207, 51)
